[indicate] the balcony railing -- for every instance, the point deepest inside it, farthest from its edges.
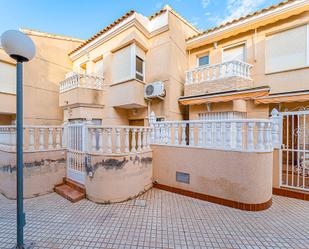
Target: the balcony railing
(250, 135)
(36, 138)
(81, 80)
(218, 71)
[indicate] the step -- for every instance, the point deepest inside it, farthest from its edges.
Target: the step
(69, 193)
(75, 185)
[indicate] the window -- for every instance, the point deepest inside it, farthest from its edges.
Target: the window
(287, 50)
(7, 78)
(236, 52)
(139, 69)
(98, 67)
(203, 60)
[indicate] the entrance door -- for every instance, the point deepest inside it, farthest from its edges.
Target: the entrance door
(76, 156)
(294, 166)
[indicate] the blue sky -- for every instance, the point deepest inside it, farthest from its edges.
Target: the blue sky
(83, 18)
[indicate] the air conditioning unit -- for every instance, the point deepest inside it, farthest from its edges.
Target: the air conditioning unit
(154, 90)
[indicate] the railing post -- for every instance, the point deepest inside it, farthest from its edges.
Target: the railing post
(208, 134)
(109, 140)
(260, 145)
(126, 140)
(276, 131)
(133, 144)
(267, 136)
(50, 138)
(183, 133)
(191, 136)
(118, 150)
(228, 135)
(31, 139)
(239, 144)
(41, 139)
(100, 139)
(144, 139)
(200, 134)
(176, 132)
(168, 137)
(250, 144)
(218, 134)
(93, 140)
(139, 139)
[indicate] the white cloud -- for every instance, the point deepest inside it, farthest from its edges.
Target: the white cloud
(238, 8)
(205, 3)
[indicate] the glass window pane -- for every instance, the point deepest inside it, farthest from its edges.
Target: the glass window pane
(203, 60)
(139, 65)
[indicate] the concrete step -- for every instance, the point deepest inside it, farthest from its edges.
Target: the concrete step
(71, 190)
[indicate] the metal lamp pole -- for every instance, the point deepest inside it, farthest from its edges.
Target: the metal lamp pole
(21, 48)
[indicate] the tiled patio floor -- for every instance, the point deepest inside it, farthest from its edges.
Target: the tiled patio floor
(168, 221)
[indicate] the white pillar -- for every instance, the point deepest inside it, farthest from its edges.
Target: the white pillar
(183, 133)
(118, 150)
(176, 138)
(41, 139)
(126, 140)
(109, 140)
(50, 138)
(239, 135)
(139, 139)
(31, 139)
(260, 142)
(200, 134)
(191, 136)
(58, 139)
(250, 137)
(133, 149)
(93, 140)
(100, 139)
(227, 135)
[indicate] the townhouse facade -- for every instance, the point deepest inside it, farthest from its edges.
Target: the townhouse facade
(228, 125)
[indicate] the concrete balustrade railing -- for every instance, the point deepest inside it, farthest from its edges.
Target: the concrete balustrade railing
(254, 135)
(77, 80)
(36, 138)
(118, 139)
(218, 71)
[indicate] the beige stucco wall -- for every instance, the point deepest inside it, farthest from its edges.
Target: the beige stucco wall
(237, 176)
(255, 55)
(165, 60)
(116, 179)
(41, 79)
(42, 170)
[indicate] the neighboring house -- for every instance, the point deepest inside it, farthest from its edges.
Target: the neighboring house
(41, 77)
(111, 68)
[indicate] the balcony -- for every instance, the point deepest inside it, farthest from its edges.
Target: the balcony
(77, 80)
(80, 90)
(228, 75)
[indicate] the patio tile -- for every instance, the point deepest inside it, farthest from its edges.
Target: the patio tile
(167, 221)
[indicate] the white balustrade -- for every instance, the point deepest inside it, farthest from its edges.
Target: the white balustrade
(118, 139)
(237, 135)
(218, 71)
(36, 138)
(81, 80)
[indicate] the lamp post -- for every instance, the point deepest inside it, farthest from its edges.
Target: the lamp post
(22, 49)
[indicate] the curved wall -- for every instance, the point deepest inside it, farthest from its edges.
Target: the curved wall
(118, 178)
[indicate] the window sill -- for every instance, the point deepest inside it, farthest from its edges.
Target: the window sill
(126, 81)
(287, 70)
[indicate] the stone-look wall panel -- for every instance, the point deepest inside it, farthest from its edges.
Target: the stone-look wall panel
(218, 85)
(116, 179)
(236, 176)
(42, 171)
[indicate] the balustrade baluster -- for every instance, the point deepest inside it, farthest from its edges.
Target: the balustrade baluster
(133, 142)
(228, 135)
(200, 134)
(260, 138)
(183, 133)
(144, 138)
(148, 137)
(139, 139)
(41, 139)
(218, 135)
(250, 137)
(100, 139)
(176, 132)
(109, 140)
(208, 134)
(50, 138)
(31, 139)
(191, 136)
(168, 137)
(117, 142)
(126, 140)
(214, 72)
(13, 139)
(239, 143)
(208, 73)
(93, 140)
(267, 136)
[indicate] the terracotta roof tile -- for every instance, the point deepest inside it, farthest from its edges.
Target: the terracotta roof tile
(241, 18)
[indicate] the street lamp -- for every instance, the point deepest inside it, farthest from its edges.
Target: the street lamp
(21, 48)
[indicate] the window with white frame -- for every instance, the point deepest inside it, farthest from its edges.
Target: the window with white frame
(287, 49)
(139, 62)
(203, 60)
(7, 78)
(234, 52)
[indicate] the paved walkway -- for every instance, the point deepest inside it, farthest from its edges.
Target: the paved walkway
(167, 221)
